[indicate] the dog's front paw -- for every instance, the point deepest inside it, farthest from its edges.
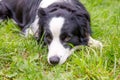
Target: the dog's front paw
(94, 43)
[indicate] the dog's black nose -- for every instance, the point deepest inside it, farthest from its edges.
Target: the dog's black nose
(54, 60)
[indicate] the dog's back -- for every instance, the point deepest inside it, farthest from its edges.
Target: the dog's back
(21, 11)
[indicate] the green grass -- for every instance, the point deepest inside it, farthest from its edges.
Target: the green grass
(23, 59)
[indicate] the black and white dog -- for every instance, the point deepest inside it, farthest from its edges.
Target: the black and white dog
(63, 22)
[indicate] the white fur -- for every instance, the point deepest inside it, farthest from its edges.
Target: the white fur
(56, 25)
(46, 3)
(56, 48)
(35, 25)
(32, 30)
(0, 0)
(94, 43)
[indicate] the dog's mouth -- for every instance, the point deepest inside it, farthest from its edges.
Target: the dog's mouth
(55, 59)
(58, 56)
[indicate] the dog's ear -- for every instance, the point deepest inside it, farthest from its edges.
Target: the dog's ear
(41, 12)
(83, 22)
(39, 35)
(40, 32)
(83, 13)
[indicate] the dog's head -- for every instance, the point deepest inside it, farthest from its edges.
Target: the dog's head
(64, 28)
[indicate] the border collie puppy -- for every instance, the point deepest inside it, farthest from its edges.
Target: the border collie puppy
(64, 23)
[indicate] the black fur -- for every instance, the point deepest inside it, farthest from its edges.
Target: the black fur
(22, 11)
(77, 24)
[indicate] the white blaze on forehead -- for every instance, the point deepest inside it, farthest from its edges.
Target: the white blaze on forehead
(56, 25)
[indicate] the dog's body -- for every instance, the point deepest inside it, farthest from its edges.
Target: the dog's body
(64, 22)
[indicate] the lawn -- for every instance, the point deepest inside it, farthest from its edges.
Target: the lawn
(23, 59)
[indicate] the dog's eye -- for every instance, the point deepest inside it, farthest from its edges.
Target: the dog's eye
(48, 38)
(67, 38)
